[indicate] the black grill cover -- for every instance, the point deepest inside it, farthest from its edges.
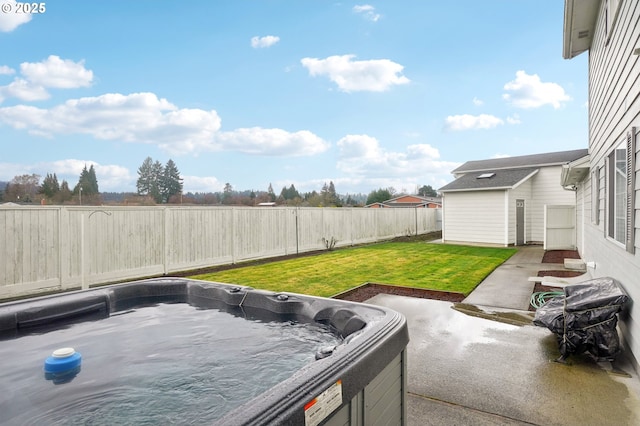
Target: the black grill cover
(585, 318)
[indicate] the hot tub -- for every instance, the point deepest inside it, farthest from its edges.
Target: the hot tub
(175, 350)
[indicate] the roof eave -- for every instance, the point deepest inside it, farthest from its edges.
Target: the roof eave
(494, 188)
(579, 25)
(526, 166)
(575, 172)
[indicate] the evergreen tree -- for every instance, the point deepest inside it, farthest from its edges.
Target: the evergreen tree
(171, 183)
(157, 172)
(328, 195)
(64, 194)
(227, 192)
(272, 195)
(158, 181)
(145, 177)
(92, 181)
(290, 193)
(50, 186)
(88, 182)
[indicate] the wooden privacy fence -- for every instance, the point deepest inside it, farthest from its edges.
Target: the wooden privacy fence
(65, 247)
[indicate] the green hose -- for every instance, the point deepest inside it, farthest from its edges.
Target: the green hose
(540, 298)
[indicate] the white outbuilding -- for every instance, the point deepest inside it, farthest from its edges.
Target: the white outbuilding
(512, 201)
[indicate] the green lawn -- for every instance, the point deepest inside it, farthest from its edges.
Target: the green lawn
(408, 264)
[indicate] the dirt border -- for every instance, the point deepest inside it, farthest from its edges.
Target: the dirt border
(369, 290)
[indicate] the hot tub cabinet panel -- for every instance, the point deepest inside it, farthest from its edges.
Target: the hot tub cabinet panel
(381, 402)
(361, 381)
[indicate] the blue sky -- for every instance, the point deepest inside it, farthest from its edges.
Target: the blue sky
(367, 95)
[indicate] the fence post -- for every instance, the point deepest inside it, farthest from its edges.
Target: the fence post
(165, 238)
(60, 283)
(83, 280)
(233, 235)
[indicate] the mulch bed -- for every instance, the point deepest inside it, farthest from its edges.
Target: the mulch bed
(367, 291)
(560, 274)
(558, 256)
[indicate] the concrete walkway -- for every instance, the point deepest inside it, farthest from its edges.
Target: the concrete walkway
(468, 364)
(508, 286)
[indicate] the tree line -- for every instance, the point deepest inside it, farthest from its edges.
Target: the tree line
(160, 184)
(27, 189)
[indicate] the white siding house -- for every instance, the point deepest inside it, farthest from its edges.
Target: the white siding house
(502, 201)
(608, 207)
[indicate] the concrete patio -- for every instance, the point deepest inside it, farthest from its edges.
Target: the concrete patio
(482, 362)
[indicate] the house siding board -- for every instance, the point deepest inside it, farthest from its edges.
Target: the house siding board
(614, 82)
(474, 217)
(614, 107)
(583, 211)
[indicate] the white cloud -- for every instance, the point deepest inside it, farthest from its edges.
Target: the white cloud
(57, 73)
(527, 91)
(23, 90)
(501, 156)
(36, 77)
(266, 41)
(478, 102)
(361, 156)
(259, 141)
(514, 119)
(10, 21)
(376, 75)
(470, 122)
(5, 70)
(367, 11)
(145, 118)
(201, 184)
(366, 164)
(138, 117)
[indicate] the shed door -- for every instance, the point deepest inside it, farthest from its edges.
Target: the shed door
(519, 222)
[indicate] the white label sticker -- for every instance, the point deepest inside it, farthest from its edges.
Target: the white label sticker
(322, 405)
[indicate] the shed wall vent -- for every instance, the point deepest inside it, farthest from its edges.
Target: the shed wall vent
(583, 34)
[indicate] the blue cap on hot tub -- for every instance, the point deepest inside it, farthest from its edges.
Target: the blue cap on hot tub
(62, 361)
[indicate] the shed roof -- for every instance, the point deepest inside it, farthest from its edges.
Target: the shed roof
(499, 179)
(525, 161)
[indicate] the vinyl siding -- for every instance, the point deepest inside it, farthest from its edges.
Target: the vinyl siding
(477, 216)
(583, 212)
(614, 107)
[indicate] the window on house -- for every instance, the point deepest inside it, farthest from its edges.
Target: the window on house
(618, 193)
(620, 188)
